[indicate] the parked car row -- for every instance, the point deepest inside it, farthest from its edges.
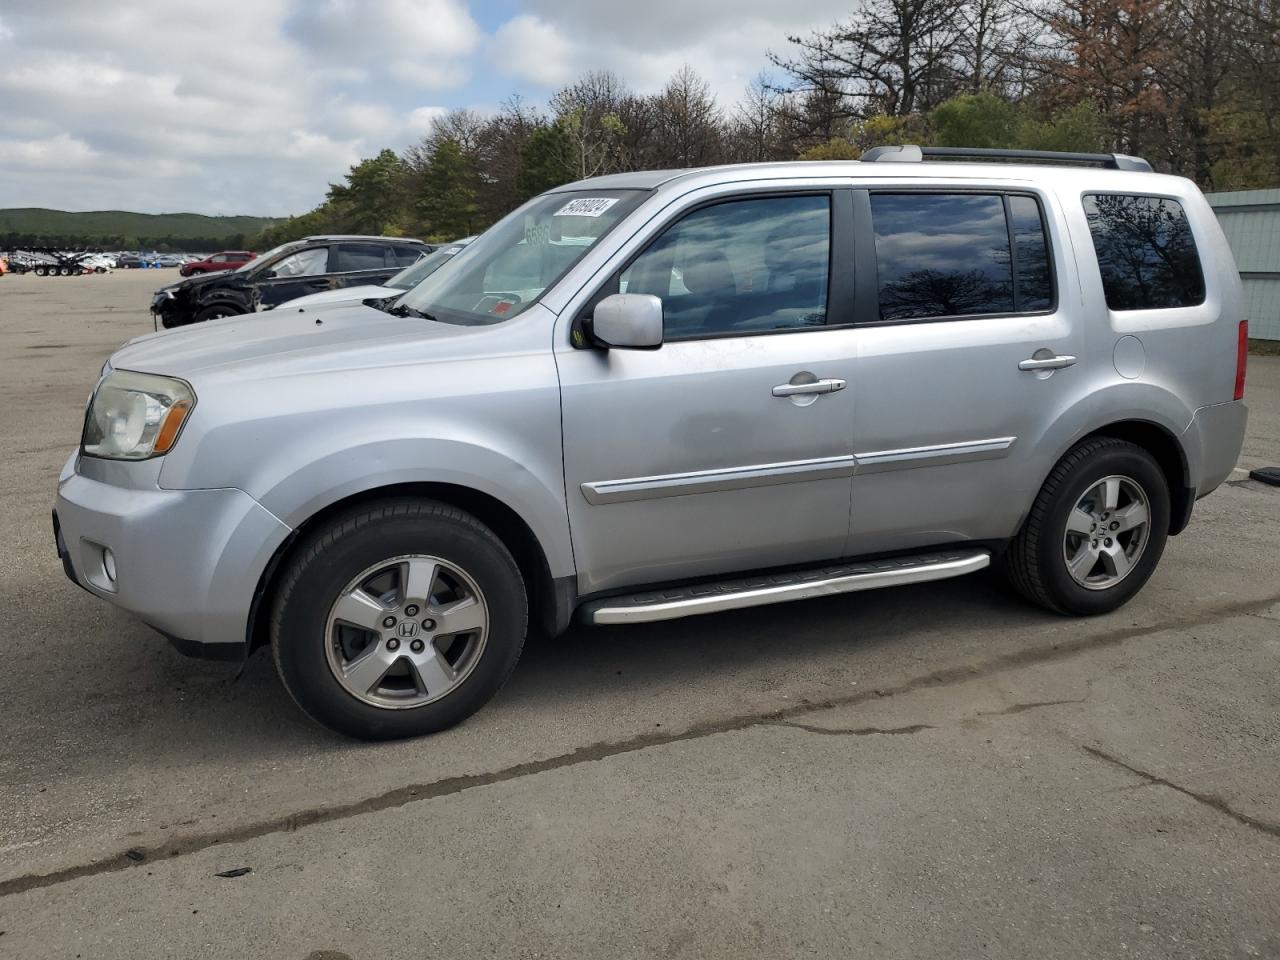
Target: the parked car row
(299, 268)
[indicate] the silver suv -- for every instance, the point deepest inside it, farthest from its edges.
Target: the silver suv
(654, 395)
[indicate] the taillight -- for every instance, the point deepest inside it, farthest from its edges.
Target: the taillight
(1242, 358)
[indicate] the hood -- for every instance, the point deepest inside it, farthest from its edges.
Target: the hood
(341, 295)
(285, 343)
(190, 285)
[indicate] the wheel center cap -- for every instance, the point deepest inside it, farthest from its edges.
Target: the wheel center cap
(408, 629)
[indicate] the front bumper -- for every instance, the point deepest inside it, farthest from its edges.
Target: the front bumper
(187, 562)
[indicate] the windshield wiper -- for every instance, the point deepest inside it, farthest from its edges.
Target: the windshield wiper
(403, 310)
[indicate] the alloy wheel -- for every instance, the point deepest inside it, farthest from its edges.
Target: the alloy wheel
(1106, 532)
(406, 631)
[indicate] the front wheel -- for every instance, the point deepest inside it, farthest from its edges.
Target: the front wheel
(216, 313)
(1095, 532)
(398, 619)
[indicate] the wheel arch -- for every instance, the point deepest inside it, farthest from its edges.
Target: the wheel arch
(551, 599)
(1163, 444)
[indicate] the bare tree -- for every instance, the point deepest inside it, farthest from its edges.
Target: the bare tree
(689, 122)
(893, 57)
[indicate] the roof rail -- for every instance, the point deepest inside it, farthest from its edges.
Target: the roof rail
(357, 236)
(910, 153)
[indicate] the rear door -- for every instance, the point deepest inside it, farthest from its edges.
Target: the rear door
(970, 346)
(358, 264)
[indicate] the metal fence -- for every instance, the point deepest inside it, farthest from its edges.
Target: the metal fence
(1251, 221)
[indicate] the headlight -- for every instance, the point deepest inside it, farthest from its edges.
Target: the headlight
(133, 416)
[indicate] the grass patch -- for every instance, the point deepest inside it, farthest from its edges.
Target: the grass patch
(1264, 348)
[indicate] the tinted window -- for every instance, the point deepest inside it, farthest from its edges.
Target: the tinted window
(404, 256)
(941, 255)
(1033, 272)
(1146, 253)
(739, 267)
(364, 256)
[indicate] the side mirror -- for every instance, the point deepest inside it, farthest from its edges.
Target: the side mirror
(268, 274)
(628, 320)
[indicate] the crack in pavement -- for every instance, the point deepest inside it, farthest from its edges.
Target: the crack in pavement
(1024, 707)
(449, 786)
(1209, 800)
(857, 732)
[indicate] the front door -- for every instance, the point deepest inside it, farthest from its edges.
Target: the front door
(296, 275)
(976, 349)
(729, 448)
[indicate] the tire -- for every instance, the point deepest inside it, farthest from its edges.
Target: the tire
(39, 271)
(1037, 561)
(216, 312)
(312, 648)
(65, 271)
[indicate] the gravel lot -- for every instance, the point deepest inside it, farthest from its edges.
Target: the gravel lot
(934, 771)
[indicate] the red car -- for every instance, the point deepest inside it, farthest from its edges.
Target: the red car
(226, 260)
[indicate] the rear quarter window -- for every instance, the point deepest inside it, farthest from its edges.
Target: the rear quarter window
(1146, 254)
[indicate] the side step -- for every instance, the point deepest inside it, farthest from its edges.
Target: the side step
(675, 602)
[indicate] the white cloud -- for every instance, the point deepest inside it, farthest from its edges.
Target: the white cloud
(154, 105)
(529, 48)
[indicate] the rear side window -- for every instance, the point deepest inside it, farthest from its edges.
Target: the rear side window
(1146, 253)
(364, 256)
(406, 256)
(957, 255)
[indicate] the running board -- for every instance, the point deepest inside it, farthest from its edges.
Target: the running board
(675, 602)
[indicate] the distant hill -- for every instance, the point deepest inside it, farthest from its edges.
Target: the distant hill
(37, 225)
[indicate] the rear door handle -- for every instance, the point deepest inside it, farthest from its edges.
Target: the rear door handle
(1047, 363)
(818, 386)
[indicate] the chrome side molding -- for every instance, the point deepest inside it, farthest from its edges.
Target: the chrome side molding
(908, 458)
(708, 481)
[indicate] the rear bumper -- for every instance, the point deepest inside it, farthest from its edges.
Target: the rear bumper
(1213, 443)
(187, 562)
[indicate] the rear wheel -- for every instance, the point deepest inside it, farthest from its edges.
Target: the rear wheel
(399, 619)
(39, 271)
(1095, 532)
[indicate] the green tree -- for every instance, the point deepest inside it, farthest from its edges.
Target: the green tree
(449, 198)
(374, 198)
(974, 120)
(547, 161)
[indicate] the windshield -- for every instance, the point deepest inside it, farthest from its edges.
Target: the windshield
(411, 276)
(510, 265)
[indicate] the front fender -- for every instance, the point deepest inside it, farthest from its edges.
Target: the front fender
(296, 495)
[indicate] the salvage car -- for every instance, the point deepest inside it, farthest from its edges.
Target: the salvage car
(659, 395)
(226, 260)
(406, 279)
(285, 273)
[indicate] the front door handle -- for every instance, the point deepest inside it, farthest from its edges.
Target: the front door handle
(818, 386)
(1047, 363)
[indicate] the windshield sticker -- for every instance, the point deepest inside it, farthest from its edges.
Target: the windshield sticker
(586, 207)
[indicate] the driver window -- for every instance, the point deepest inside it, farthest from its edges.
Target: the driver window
(304, 263)
(739, 267)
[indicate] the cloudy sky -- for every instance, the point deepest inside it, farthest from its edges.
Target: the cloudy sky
(254, 106)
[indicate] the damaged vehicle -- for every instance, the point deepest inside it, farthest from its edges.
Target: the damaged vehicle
(393, 289)
(291, 270)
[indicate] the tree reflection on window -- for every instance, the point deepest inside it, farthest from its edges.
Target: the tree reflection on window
(1146, 253)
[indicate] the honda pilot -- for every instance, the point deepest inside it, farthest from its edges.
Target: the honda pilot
(659, 395)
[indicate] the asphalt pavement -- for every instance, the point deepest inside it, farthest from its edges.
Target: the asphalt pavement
(930, 771)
